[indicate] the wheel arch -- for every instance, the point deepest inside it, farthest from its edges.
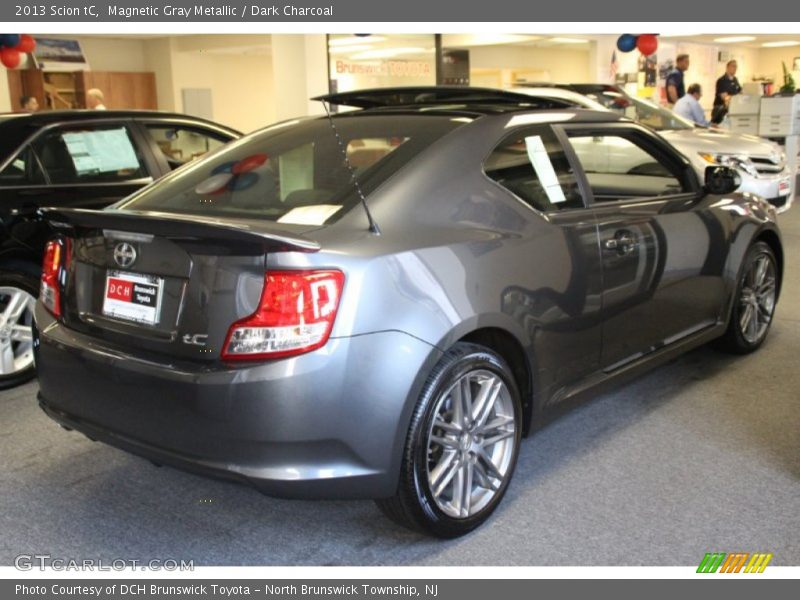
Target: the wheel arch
(511, 350)
(773, 240)
(20, 260)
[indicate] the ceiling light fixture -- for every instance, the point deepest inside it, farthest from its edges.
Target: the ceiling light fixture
(355, 40)
(389, 53)
(565, 40)
(348, 49)
(735, 38)
(783, 44)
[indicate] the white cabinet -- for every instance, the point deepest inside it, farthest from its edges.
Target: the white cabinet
(747, 124)
(743, 113)
(780, 116)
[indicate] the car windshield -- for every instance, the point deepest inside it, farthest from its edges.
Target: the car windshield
(295, 172)
(643, 111)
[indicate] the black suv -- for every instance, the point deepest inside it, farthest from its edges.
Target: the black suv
(86, 159)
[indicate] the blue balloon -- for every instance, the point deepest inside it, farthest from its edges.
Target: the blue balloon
(223, 168)
(243, 181)
(9, 40)
(626, 42)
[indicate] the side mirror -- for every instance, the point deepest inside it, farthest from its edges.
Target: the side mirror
(722, 180)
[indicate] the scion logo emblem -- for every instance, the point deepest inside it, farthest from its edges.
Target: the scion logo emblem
(124, 254)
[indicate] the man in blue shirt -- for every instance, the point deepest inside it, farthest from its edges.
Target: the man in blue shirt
(675, 88)
(689, 106)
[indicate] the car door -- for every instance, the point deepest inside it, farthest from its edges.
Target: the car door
(175, 142)
(662, 273)
(88, 164)
(560, 303)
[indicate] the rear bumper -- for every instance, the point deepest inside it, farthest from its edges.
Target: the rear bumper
(327, 424)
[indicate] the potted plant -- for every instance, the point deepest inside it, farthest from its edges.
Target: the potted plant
(788, 81)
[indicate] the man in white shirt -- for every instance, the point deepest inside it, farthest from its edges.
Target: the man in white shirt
(95, 99)
(689, 105)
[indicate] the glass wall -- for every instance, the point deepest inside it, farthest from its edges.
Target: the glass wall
(361, 61)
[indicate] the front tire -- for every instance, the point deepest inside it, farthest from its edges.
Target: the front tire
(754, 302)
(19, 289)
(461, 447)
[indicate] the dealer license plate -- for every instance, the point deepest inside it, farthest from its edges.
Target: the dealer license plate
(133, 297)
(784, 186)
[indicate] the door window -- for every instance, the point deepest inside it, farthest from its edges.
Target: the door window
(97, 154)
(619, 167)
(532, 164)
(181, 145)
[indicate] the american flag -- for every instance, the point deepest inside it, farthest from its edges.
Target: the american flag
(612, 71)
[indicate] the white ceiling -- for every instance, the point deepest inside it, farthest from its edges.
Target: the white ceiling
(758, 42)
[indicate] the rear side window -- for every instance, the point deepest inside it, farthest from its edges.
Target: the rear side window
(532, 164)
(98, 154)
(180, 144)
(23, 170)
(297, 172)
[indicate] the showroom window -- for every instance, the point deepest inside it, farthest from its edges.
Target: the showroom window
(619, 168)
(180, 145)
(377, 61)
(533, 165)
(104, 154)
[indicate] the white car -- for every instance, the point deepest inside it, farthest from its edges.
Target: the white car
(761, 163)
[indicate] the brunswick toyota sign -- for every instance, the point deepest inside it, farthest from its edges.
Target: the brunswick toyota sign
(388, 68)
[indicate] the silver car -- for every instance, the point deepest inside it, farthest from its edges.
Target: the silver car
(761, 162)
(383, 303)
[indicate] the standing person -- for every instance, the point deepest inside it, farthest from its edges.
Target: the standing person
(29, 104)
(95, 99)
(727, 85)
(675, 86)
(689, 106)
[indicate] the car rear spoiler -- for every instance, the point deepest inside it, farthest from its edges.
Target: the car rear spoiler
(176, 226)
(428, 95)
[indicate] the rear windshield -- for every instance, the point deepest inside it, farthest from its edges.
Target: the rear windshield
(295, 172)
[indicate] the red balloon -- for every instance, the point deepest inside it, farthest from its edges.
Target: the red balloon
(647, 44)
(10, 57)
(26, 43)
(249, 163)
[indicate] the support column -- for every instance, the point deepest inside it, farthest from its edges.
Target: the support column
(5, 93)
(300, 72)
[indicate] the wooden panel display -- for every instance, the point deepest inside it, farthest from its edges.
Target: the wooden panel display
(121, 90)
(64, 90)
(15, 89)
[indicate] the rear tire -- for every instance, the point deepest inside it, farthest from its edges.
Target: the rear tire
(19, 288)
(462, 445)
(754, 302)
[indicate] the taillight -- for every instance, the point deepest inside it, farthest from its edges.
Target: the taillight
(295, 315)
(56, 255)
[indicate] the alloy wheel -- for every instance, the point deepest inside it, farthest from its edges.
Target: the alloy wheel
(470, 443)
(16, 337)
(757, 298)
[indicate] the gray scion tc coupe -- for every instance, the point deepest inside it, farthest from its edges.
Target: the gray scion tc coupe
(383, 302)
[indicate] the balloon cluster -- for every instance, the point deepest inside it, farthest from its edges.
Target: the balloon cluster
(647, 43)
(232, 176)
(13, 46)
